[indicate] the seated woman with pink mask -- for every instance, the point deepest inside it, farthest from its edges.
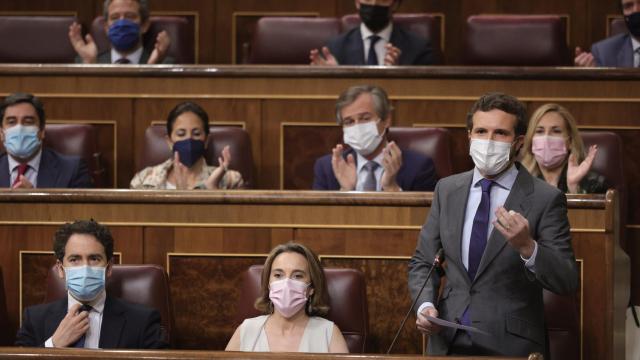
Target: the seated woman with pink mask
(555, 153)
(293, 296)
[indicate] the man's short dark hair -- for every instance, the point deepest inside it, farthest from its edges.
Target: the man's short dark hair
(185, 107)
(18, 98)
(504, 102)
(144, 10)
(89, 227)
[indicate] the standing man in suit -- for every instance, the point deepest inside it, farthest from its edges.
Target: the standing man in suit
(505, 237)
(126, 22)
(26, 163)
(88, 317)
(622, 50)
(373, 163)
(376, 41)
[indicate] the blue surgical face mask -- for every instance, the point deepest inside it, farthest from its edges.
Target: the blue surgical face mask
(189, 150)
(124, 34)
(21, 141)
(85, 282)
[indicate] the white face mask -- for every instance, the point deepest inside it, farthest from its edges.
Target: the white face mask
(363, 138)
(490, 156)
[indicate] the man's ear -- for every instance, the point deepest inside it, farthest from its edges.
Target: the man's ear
(357, 4)
(109, 269)
(60, 269)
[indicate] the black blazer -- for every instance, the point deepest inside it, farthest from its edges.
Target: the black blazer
(56, 171)
(348, 48)
(124, 325)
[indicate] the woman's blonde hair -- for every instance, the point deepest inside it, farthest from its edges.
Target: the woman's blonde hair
(318, 302)
(576, 145)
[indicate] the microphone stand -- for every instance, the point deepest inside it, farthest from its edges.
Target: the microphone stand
(436, 264)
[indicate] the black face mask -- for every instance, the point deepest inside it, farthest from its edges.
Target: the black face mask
(375, 17)
(633, 23)
(189, 150)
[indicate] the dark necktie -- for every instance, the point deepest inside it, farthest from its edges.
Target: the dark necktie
(123, 61)
(372, 58)
(80, 342)
(370, 181)
(22, 169)
(479, 229)
(636, 55)
(478, 238)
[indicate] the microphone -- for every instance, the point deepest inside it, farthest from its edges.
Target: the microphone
(437, 262)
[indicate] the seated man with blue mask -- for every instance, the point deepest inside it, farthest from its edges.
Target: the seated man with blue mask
(126, 22)
(88, 317)
(372, 163)
(26, 163)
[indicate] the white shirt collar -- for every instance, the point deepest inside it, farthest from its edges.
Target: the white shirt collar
(505, 180)
(34, 164)
(385, 33)
(97, 304)
(134, 57)
(363, 160)
(635, 44)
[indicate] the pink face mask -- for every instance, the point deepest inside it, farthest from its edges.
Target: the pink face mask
(550, 151)
(288, 296)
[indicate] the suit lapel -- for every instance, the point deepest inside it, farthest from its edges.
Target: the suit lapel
(625, 56)
(145, 56)
(519, 200)
(355, 53)
(458, 203)
(398, 40)
(54, 318)
(113, 322)
(5, 173)
(48, 172)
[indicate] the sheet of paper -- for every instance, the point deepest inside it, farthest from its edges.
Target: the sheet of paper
(454, 325)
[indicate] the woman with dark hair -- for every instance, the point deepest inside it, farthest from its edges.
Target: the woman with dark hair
(293, 297)
(187, 131)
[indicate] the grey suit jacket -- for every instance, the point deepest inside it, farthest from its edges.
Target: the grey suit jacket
(504, 299)
(614, 51)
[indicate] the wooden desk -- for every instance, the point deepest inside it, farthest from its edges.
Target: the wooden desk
(205, 239)
(288, 110)
(63, 354)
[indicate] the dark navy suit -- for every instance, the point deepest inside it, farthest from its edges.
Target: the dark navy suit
(418, 172)
(614, 51)
(348, 48)
(56, 171)
(124, 325)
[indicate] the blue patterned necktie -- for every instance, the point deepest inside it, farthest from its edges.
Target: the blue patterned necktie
(480, 229)
(372, 58)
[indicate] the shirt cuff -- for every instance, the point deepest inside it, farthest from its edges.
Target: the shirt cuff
(425, 305)
(49, 342)
(530, 263)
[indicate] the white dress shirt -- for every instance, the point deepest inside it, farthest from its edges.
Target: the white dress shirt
(92, 336)
(499, 193)
(385, 37)
(635, 45)
(134, 57)
(32, 170)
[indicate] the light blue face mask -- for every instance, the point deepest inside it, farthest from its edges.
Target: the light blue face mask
(21, 141)
(85, 282)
